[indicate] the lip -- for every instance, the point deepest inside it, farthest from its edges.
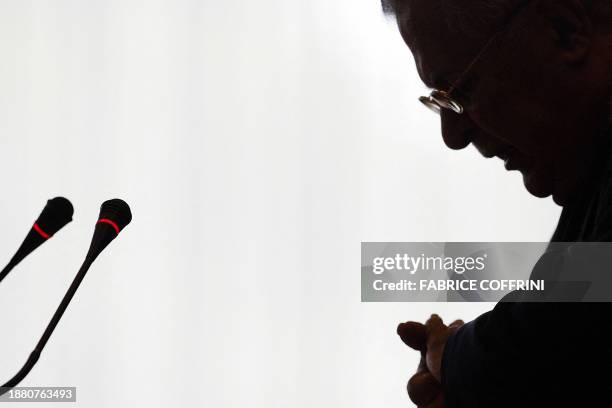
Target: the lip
(503, 154)
(510, 163)
(518, 161)
(510, 158)
(513, 159)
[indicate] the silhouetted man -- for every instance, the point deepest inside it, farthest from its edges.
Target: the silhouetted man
(529, 82)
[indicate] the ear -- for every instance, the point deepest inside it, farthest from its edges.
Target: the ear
(570, 26)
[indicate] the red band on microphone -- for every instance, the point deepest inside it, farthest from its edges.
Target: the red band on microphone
(109, 222)
(41, 232)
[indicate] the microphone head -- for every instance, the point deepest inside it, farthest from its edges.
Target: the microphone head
(57, 213)
(115, 215)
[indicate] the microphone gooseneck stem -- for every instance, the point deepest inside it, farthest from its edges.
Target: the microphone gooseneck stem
(64, 304)
(27, 367)
(35, 238)
(6, 270)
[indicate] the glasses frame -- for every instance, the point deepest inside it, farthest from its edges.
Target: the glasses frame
(439, 99)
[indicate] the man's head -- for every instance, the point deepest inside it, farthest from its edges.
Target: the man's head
(539, 94)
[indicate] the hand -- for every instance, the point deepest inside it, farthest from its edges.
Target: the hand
(424, 387)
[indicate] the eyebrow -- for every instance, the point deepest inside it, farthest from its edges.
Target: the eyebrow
(441, 80)
(438, 81)
(431, 79)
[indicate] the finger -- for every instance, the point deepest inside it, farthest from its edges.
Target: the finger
(433, 326)
(456, 324)
(438, 402)
(437, 333)
(423, 388)
(413, 335)
(434, 321)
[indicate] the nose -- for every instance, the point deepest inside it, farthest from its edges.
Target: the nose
(459, 131)
(456, 129)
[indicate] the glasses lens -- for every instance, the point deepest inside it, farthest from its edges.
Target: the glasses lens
(444, 100)
(431, 104)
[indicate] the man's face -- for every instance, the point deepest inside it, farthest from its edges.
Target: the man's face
(520, 104)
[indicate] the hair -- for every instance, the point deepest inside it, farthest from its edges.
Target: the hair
(389, 6)
(466, 17)
(476, 17)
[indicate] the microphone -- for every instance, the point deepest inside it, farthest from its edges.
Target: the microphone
(115, 215)
(56, 214)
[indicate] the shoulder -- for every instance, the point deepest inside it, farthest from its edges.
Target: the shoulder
(602, 225)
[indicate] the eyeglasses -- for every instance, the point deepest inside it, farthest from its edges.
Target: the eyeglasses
(439, 100)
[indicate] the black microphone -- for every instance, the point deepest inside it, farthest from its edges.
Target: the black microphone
(56, 214)
(114, 216)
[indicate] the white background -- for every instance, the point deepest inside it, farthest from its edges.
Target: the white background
(258, 143)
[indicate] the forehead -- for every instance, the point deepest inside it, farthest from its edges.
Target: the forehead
(439, 51)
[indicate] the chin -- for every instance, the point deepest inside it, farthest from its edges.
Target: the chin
(560, 199)
(543, 181)
(538, 186)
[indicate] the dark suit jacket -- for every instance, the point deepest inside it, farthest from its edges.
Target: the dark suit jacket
(541, 354)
